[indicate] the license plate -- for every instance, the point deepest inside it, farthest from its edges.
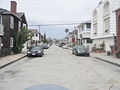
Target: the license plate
(33, 54)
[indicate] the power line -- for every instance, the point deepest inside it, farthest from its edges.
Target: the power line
(53, 24)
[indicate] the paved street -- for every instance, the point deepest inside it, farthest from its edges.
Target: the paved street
(58, 66)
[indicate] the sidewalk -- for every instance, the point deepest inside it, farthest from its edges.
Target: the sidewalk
(106, 58)
(4, 61)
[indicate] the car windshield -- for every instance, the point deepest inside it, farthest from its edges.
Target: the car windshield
(81, 48)
(36, 48)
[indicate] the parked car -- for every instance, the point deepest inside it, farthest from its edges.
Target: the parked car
(61, 44)
(80, 50)
(65, 47)
(35, 51)
(45, 45)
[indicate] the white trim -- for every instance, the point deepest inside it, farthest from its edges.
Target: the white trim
(11, 42)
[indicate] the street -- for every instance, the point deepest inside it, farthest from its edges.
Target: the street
(60, 67)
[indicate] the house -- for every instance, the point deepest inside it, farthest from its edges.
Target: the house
(12, 22)
(71, 38)
(103, 30)
(36, 37)
(84, 34)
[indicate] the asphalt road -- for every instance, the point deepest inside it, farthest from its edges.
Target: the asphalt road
(59, 67)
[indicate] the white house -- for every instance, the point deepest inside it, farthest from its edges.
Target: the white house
(36, 37)
(84, 34)
(104, 25)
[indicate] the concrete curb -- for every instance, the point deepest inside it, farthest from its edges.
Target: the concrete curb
(1, 67)
(113, 63)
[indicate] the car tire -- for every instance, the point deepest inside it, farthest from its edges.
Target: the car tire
(76, 54)
(28, 56)
(88, 55)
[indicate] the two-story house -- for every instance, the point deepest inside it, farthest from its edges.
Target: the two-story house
(84, 34)
(12, 22)
(104, 25)
(36, 37)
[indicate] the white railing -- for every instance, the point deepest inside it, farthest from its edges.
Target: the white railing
(1, 29)
(86, 34)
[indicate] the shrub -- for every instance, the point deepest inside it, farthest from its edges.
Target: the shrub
(108, 53)
(118, 54)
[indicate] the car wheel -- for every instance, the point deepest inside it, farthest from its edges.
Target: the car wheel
(76, 54)
(72, 52)
(28, 56)
(88, 55)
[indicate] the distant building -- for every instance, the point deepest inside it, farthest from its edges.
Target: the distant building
(84, 34)
(36, 37)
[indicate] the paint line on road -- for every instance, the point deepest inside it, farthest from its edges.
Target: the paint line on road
(3, 66)
(107, 61)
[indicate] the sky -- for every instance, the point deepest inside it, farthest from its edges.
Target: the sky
(39, 12)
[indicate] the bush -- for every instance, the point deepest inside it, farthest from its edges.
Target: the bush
(118, 54)
(109, 53)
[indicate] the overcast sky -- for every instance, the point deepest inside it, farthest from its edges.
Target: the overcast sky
(54, 11)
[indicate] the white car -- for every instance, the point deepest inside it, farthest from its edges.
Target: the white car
(65, 47)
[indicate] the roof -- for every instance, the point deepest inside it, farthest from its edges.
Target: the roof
(22, 16)
(6, 12)
(19, 15)
(34, 30)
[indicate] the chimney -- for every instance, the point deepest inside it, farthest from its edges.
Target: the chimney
(13, 6)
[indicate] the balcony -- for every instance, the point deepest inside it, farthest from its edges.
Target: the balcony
(1, 30)
(86, 34)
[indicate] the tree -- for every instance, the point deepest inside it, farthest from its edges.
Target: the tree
(66, 30)
(45, 39)
(20, 39)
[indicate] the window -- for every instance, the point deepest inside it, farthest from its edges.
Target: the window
(24, 25)
(36, 35)
(88, 25)
(95, 15)
(89, 40)
(95, 29)
(107, 25)
(0, 19)
(11, 22)
(33, 34)
(83, 28)
(11, 42)
(106, 8)
(0, 42)
(19, 26)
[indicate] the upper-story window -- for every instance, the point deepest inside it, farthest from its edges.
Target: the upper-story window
(24, 25)
(0, 19)
(95, 29)
(19, 26)
(36, 35)
(82, 27)
(107, 25)
(95, 15)
(12, 22)
(88, 25)
(106, 9)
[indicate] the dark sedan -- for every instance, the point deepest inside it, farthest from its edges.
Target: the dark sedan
(35, 51)
(80, 50)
